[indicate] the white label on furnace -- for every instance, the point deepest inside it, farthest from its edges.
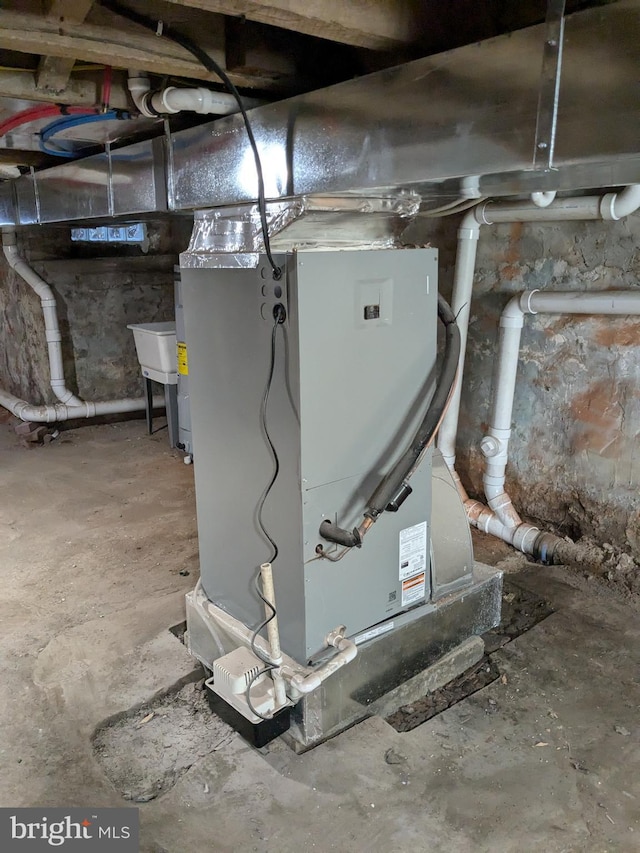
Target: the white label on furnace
(374, 632)
(413, 550)
(413, 589)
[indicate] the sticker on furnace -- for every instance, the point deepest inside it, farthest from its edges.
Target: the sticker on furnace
(413, 550)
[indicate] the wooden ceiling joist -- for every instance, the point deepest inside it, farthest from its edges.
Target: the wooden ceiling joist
(78, 91)
(122, 45)
(374, 24)
(54, 71)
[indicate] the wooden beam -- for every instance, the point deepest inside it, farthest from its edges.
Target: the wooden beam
(15, 157)
(247, 50)
(122, 46)
(54, 71)
(374, 24)
(79, 91)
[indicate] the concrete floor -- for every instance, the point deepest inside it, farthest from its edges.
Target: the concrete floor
(96, 528)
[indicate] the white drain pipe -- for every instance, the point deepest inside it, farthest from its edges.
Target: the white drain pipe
(523, 536)
(49, 312)
(61, 412)
(174, 100)
(495, 445)
(70, 406)
(346, 652)
(468, 234)
(610, 207)
(273, 633)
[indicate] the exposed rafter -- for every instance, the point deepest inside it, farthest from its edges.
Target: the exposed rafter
(80, 91)
(122, 46)
(54, 71)
(376, 24)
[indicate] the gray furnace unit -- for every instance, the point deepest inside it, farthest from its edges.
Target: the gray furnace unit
(305, 390)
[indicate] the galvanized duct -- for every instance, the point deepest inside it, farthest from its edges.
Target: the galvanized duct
(420, 128)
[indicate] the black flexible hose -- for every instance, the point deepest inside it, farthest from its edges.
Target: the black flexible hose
(392, 484)
(394, 488)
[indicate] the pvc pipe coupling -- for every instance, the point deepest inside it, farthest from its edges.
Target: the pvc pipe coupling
(346, 652)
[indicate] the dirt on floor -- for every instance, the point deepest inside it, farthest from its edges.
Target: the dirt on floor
(146, 751)
(98, 698)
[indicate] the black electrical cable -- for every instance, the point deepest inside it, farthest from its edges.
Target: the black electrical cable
(252, 680)
(279, 315)
(162, 29)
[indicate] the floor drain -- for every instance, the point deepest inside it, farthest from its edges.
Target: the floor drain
(521, 610)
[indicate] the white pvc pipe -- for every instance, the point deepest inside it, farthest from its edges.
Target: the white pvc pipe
(70, 406)
(621, 204)
(275, 653)
(139, 87)
(468, 234)
(199, 100)
(347, 651)
(61, 412)
(495, 445)
(562, 209)
(608, 302)
(522, 536)
(609, 207)
(51, 327)
(174, 100)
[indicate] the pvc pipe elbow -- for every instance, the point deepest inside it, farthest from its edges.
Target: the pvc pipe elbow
(616, 206)
(66, 397)
(307, 684)
(348, 650)
(139, 86)
(11, 252)
(175, 100)
(512, 315)
(200, 100)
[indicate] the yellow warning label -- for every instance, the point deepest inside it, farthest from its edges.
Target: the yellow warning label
(183, 361)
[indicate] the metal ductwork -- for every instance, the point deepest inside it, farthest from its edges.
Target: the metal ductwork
(498, 110)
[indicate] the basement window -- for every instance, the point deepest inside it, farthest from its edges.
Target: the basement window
(135, 232)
